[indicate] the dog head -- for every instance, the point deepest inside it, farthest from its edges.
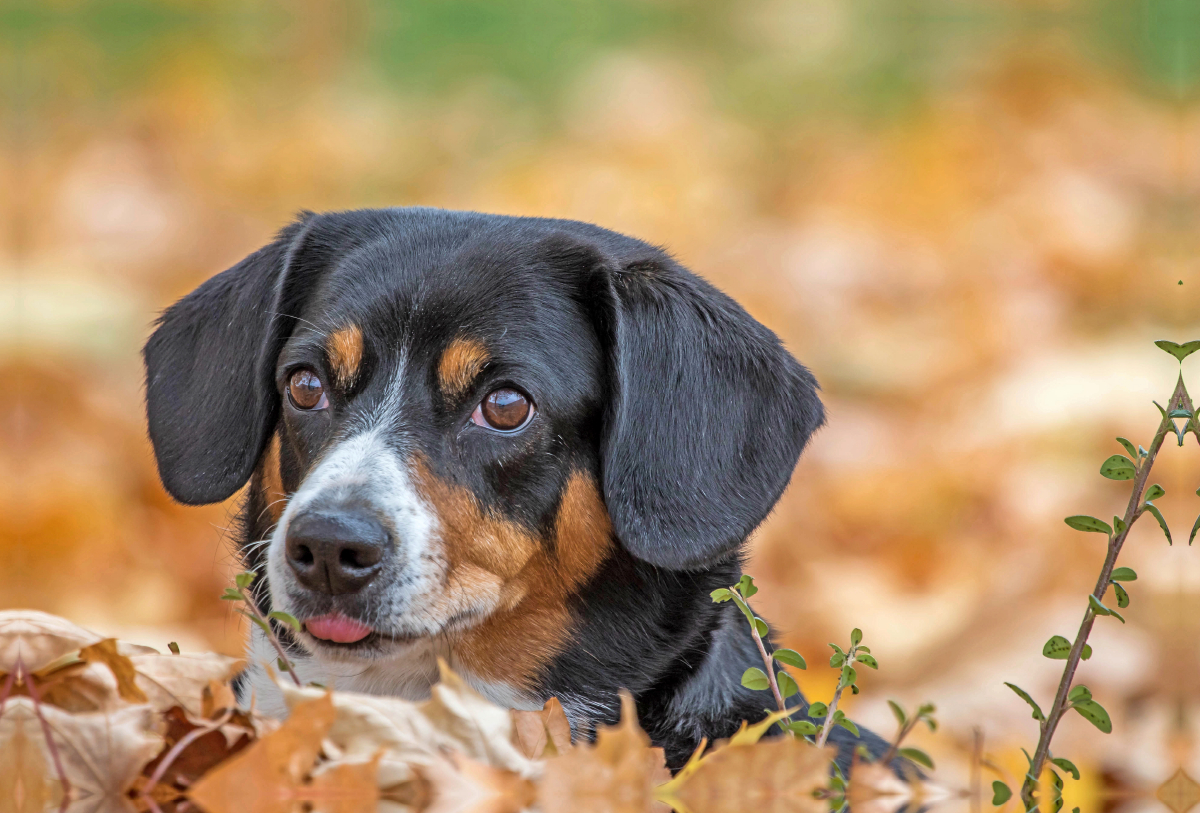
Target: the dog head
(452, 420)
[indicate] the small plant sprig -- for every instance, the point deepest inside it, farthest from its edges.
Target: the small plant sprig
(244, 594)
(1135, 467)
(781, 684)
(924, 714)
(843, 660)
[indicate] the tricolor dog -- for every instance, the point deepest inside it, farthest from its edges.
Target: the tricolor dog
(532, 447)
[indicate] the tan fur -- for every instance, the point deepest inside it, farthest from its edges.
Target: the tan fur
(506, 592)
(461, 361)
(270, 481)
(345, 348)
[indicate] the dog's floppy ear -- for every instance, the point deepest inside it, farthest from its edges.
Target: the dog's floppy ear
(210, 364)
(708, 412)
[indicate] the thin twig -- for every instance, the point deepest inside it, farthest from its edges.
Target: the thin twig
(176, 750)
(905, 730)
(769, 663)
(1133, 511)
(266, 623)
(837, 695)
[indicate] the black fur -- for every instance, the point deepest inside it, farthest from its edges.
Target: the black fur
(688, 412)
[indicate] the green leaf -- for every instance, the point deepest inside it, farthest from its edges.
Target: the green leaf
(261, 624)
(1162, 411)
(761, 627)
(1179, 412)
(1179, 351)
(1122, 596)
(802, 727)
(746, 586)
(755, 678)
(1085, 523)
(1087, 652)
(1079, 692)
(868, 660)
(818, 710)
(1154, 492)
(1100, 609)
(901, 717)
(1024, 695)
(1118, 467)
(837, 660)
(849, 675)
(1000, 793)
(1119, 524)
(839, 715)
(918, 756)
(1124, 574)
(1162, 523)
(787, 685)
(849, 726)
(789, 656)
(286, 618)
(854, 689)
(1068, 766)
(1057, 648)
(174, 647)
(244, 580)
(1129, 447)
(232, 595)
(855, 637)
(1195, 528)
(1095, 714)
(721, 594)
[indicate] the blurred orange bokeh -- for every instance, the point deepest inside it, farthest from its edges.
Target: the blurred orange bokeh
(970, 227)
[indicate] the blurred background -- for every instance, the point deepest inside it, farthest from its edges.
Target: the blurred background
(970, 219)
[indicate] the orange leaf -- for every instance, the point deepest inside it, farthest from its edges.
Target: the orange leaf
(542, 733)
(105, 652)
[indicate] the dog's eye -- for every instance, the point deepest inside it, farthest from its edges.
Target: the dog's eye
(306, 391)
(505, 410)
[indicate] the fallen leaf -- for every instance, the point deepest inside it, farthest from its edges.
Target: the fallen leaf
(180, 680)
(616, 775)
(768, 777)
(199, 757)
(346, 787)
(875, 788)
(26, 781)
(457, 784)
(105, 652)
(268, 777)
(102, 754)
(542, 733)
(38, 639)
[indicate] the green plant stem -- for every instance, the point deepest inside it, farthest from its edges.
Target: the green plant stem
(890, 754)
(1132, 512)
(248, 597)
(833, 704)
(769, 663)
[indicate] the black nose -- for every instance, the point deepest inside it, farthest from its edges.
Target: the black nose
(337, 551)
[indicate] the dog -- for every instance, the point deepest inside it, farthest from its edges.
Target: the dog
(532, 447)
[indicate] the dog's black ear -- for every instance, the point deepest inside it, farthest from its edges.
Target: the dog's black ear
(708, 412)
(210, 368)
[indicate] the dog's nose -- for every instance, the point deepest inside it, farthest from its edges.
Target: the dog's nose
(336, 552)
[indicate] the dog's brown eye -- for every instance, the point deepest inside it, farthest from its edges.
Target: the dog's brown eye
(503, 409)
(306, 390)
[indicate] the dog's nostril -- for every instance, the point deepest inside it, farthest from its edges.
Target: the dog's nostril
(336, 551)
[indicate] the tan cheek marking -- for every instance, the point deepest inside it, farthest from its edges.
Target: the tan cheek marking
(345, 348)
(499, 571)
(270, 480)
(461, 361)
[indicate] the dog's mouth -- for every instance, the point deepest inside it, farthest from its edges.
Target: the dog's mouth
(336, 628)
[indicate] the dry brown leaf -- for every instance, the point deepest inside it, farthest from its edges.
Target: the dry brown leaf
(769, 777)
(26, 781)
(38, 639)
(105, 652)
(180, 680)
(457, 784)
(101, 754)
(616, 775)
(455, 718)
(269, 776)
(542, 733)
(200, 756)
(216, 697)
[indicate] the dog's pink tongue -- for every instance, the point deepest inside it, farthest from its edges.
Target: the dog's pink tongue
(337, 628)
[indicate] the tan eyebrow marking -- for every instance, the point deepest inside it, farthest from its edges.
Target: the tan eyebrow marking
(461, 361)
(345, 348)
